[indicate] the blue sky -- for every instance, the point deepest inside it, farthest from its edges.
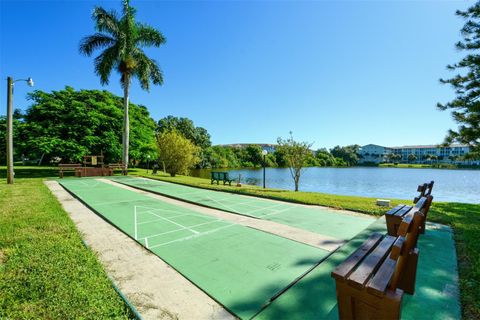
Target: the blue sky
(332, 72)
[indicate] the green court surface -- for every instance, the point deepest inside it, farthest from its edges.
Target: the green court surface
(240, 267)
(436, 292)
(324, 221)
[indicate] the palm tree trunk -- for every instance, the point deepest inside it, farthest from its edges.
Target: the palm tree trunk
(126, 122)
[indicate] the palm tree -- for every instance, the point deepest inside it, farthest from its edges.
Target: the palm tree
(123, 39)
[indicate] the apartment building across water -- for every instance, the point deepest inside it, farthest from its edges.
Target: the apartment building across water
(372, 153)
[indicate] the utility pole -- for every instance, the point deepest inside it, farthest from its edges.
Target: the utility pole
(10, 173)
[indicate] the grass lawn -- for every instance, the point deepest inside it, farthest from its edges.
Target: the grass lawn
(40, 246)
(45, 270)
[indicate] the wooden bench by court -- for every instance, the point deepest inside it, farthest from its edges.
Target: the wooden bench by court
(371, 282)
(91, 166)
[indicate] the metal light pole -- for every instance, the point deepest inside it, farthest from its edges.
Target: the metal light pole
(10, 82)
(264, 153)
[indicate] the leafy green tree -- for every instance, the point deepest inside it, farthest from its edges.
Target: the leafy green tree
(176, 152)
(325, 158)
(412, 157)
(18, 127)
(348, 153)
(466, 84)
(123, 40)
(270, 160)
(296, 154)
(280, 158)
(198, 135)
(69, 124)
(254, 155)
(220, 157)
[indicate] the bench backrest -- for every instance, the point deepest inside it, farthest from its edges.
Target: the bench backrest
(116, 165)
(406, 242)
(69, 165)
(379, 264)
(219, 175)
(422, 205)
(425, 190)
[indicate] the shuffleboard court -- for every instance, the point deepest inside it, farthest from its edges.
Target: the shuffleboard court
(242, 268)
(324, 221)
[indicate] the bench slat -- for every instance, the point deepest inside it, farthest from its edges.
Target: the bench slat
(343, 270)
(421, 203)
(397, 248)
(379, 283)
(392, 211)
(403, 211)
(371, 263)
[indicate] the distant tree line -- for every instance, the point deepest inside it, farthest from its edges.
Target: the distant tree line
(63, 126)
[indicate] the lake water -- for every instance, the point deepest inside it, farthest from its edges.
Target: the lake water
(400, 183)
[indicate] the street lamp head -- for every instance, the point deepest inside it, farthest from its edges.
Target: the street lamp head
(148, 156)
(264, 152)
(30, 82)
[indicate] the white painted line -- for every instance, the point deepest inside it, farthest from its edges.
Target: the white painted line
(146, 243)
(173, 222)
(274, 213)
(223, 205)
(192, 236)
(111, 202)
(150, 212)
(267, 208)
(149, 209)
(176, 230)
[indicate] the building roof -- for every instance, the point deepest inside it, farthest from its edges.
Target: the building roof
(432, 146)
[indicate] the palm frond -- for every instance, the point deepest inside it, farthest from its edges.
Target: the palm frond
(93, 42)
(148, 36)
(147, 70)
(127, 10)
(106, 21)
(105, 62)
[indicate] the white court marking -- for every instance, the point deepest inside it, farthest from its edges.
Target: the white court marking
(268, 208)
(192, 236)
(173, 222)
(229, 208)
(180, 229)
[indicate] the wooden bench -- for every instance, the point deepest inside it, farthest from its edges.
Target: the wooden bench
(118, 166)
(395, 215)
(70, 167)
(371, 282)
(220, 176)
(93, 171)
